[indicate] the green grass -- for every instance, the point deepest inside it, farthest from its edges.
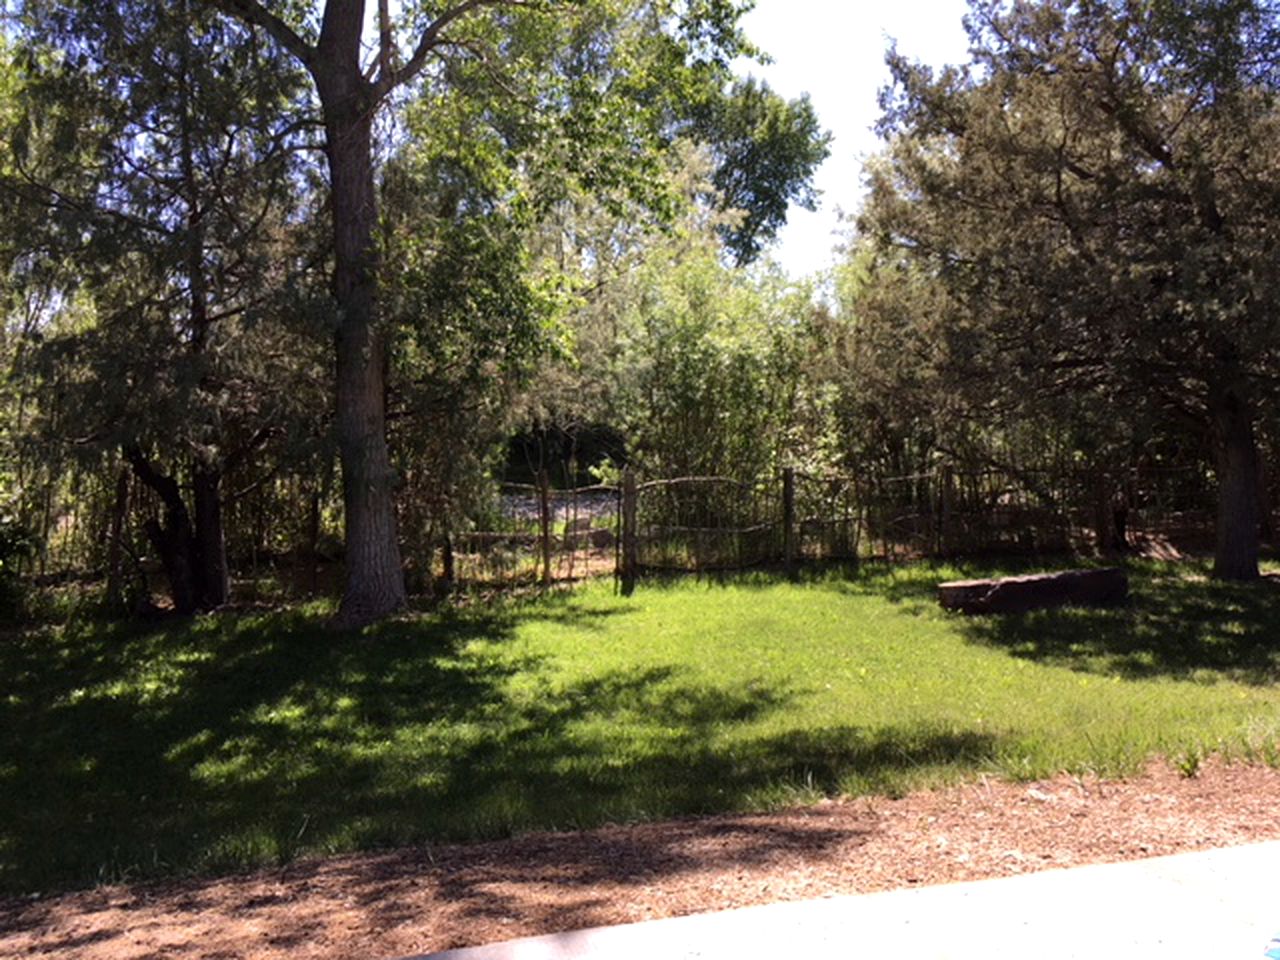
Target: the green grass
(229, 742)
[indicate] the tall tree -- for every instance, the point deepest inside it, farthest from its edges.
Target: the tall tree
(594, 124)
(1098, 192)
(171, 207)
(765, 150)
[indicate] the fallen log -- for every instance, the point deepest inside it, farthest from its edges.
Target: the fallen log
(1037, 591)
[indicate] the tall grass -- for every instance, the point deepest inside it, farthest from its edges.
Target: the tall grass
(234, 741)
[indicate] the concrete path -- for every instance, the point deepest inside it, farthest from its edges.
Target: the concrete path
(1214, 905)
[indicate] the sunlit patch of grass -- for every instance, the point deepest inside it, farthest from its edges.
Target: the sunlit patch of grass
(230, 741)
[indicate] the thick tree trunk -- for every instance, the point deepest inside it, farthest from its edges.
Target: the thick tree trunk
(173, 542)
(213, 586)
(1236, 553)
(374, 577)
(1266, 520)
(1035, 592)
(174, 539)
(192, 552)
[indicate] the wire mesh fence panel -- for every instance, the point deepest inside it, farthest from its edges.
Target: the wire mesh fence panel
(829, 519)
(901, 515)
(500, 543)
(1001, 511)
(1171, 504)
(533, 532)
(946, 512)
(584, 531)
(707, 523)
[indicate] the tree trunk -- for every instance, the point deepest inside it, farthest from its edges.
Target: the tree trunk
(447, 566)
(313, 544)
(1036, 591)
(213, 587)
(374, 577)
(1236, 553)
(174, 539)
(1266, 521)
(1104, 529)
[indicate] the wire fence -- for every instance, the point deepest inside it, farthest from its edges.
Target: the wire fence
(536, 533)
(705, 523)
(711, 523)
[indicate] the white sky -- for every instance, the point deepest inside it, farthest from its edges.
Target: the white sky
(834, 50)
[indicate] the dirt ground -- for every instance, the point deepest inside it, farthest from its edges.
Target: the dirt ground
(414, 901)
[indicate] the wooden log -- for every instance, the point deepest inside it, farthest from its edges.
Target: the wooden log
(1014, 594)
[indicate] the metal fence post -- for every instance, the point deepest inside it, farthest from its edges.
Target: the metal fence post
(630, 541)
(789, 521)
(945, 497)
(544, 516)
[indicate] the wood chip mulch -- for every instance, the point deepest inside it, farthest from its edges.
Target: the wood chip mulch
(415, 901)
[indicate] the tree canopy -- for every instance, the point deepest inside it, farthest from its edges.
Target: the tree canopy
(180, 165)
(1096, 192)
(274, 270)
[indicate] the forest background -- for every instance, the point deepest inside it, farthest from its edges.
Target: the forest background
(284, 280)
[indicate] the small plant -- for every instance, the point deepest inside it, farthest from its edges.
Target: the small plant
(1189, 763)
(16, 544)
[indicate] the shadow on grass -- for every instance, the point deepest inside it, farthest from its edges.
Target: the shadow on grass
(684, 846)
(910, 583)
(1177, 624)
(203, 744)
(225, 743)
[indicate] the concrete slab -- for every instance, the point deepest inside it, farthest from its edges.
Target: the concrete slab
(1213, 905)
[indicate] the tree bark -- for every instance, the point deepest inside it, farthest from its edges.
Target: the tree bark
(1236, 551)
(374, 576)
(1105, 533)
(1266, 521)
(174, 539)
(1036, 591)
(447, 565)
(348, 100)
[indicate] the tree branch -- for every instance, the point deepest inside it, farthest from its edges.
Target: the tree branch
(386, 41)
(254, 14)
(426, 43)
(165, 486)
(236, 457)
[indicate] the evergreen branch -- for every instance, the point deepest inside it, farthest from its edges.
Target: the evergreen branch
(431, 38)
(252, 12)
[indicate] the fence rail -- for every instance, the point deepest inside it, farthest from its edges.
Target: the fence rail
(711, 523)
(534, 533)
(539, 533)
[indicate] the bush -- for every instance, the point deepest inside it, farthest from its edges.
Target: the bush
(16, 544)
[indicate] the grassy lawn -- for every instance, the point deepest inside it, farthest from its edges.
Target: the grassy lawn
(235, 741)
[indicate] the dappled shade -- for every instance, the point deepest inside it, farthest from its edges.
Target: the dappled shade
(1175, 626)
(135, 753)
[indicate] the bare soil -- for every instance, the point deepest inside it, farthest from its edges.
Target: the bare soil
(414, 901)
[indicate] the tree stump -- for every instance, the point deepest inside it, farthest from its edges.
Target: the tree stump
(1015, 594)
